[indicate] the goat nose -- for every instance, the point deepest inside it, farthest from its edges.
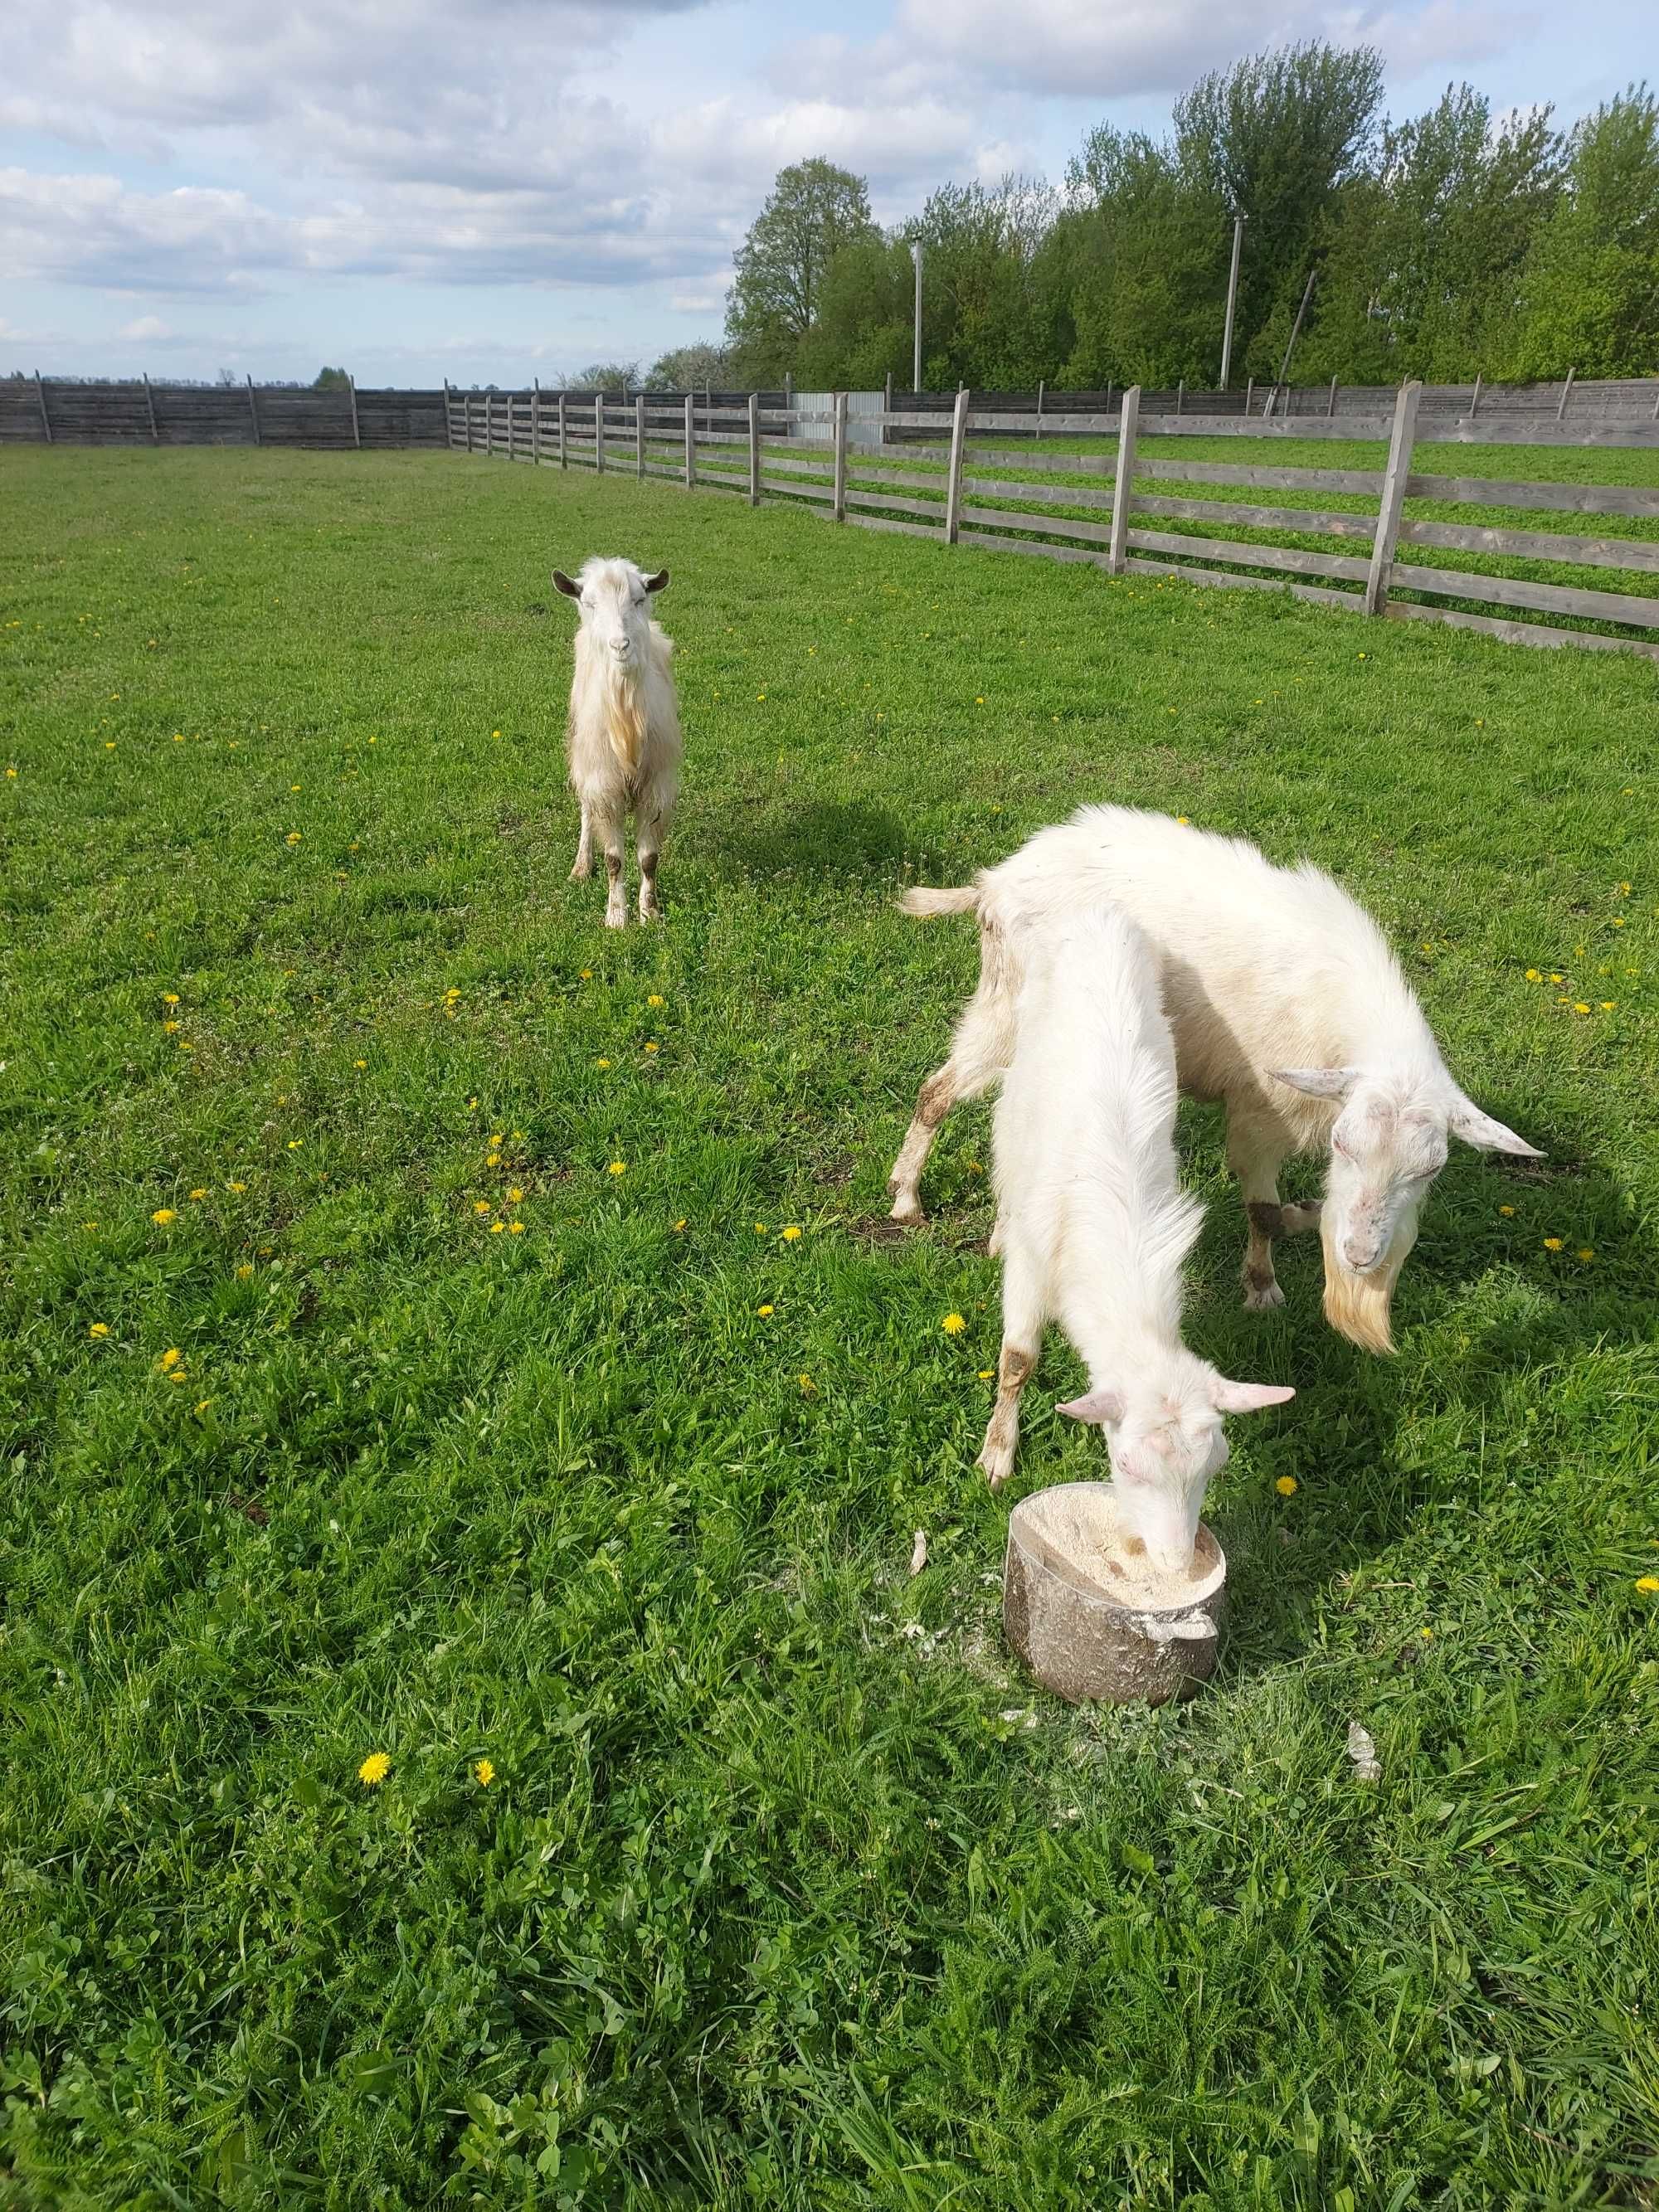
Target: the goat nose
(1360, 1253)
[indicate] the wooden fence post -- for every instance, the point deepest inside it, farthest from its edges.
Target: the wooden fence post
(535, 422)
(253, 411)
(953, 493)
(149, 402)
(838, 507)
(563, 462)
(1561, 410)
(466, 419)
(356, 434)
(691, 440)
(1249, 394)
(1330, 409)
(1116, 552)
(887, 437)
(1475, 404)
(1038, 434)
(41, 394)
(639, 430)
(754, 449)
(1401, 441)
(1180, 395)
(598, 434)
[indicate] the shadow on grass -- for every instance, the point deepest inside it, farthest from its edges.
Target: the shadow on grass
(831, 839)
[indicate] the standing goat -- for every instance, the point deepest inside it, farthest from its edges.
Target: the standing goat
(1286, 1003)
(1093, 1226)
(624, 727)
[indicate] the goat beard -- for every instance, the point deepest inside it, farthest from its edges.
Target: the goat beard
(1358, 1306)
(624, 718)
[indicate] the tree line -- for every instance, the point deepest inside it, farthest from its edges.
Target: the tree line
(1451, 243)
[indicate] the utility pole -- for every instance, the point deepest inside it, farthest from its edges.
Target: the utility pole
(1296, 330)
(916, 372)
(1232, 302)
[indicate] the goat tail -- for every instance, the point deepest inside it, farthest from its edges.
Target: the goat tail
(925, 903)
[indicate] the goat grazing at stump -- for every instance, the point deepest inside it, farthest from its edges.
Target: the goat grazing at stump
(624, 729)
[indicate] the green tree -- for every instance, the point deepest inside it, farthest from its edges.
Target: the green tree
(332, 380)
(690, 368)
(1277, 137)
(607, 376)
(1142, 256)
(1589, 293)
(812, 210)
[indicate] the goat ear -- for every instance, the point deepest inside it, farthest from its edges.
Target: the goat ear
(656, 583)
(568, 585)
(1094, 1406)
(1319, 1082)
(1467, 1121)
(1248, 1397)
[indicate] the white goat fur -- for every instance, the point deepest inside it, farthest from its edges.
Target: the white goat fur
(1093, 1226)
(623, 732)
(1286, 1003)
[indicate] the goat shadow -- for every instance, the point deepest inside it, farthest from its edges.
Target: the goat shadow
(846, 838)
(1360, 1492)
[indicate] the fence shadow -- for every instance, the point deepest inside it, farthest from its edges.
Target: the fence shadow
(831, 839)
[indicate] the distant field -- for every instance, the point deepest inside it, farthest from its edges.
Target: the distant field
(405, 1355)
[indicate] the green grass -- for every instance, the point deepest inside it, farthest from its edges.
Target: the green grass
(789, 1891)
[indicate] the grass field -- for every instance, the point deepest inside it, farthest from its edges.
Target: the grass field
(408, 1353)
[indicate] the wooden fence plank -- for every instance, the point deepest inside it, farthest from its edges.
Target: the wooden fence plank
(881, 522)
(1368, 481)
(795, 487)
(900, 506)
(1401, 438)
(1515, 633)
(1547, 598)
(1291, 558)
(1561, 498)
(1317, 521)
(1101, 560)
(953, 488)
(1349, 601)
(1123, 491)
(1061, 495)
(1536, 545)
(1048, 526)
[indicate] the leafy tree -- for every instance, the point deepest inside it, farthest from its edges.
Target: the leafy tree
(812, 210)
(607, 376)
(689, 368)
(1145, 245)
(332, 380)
(1589, 293)
(1277, 137)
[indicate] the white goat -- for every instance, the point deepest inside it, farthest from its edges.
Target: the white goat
(624, 729)
(1093, 1226)
(1287, 1004)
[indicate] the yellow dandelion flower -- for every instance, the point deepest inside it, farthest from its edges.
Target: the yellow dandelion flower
(169, 1360)
(493, 1160)
(1555, 1243)
(656, 998)
(1508, 1212)
(482, 1772)
(1648, 1584)
(588, 975)
(202, 1405)
(1624, 890)
(1558, 979)
(679, 1224)
(237, 1186)
(953, 1324)
(1607, 1005)
(295, 1143)
(497, 1228)
(515, 1228)
(617, 1167)
(360, 1063)
(169, 998)
(514, 1196)
(245, 1271)
(198, 1193)
(1587, 1251)
(99, 1328)
(163, 1215)
(765, 1312)
(1619, 921)
(602, 1063)
(792, 1234)
(760, 1229)
(1534, 976)
(1580, 1006)
(987, 1374)
(292, 837)
(1287, 1486)
(651, 1045)
(169, 1029)
(374, 1769)
(808, 1386)
(481, 1206)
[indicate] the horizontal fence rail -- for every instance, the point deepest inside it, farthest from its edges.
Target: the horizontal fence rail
(55, 411)
(1126, 511)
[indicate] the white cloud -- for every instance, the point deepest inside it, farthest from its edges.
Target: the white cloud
(146, 326)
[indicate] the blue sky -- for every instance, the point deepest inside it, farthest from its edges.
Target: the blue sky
(516, 187)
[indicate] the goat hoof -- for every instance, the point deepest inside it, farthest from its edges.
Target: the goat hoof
(908, 1212)
(580, 872)
(615, 921)
(1262, 1297)
(995, 1475)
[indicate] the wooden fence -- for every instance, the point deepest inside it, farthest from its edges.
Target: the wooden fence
(53, 410)
(1113, 497)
